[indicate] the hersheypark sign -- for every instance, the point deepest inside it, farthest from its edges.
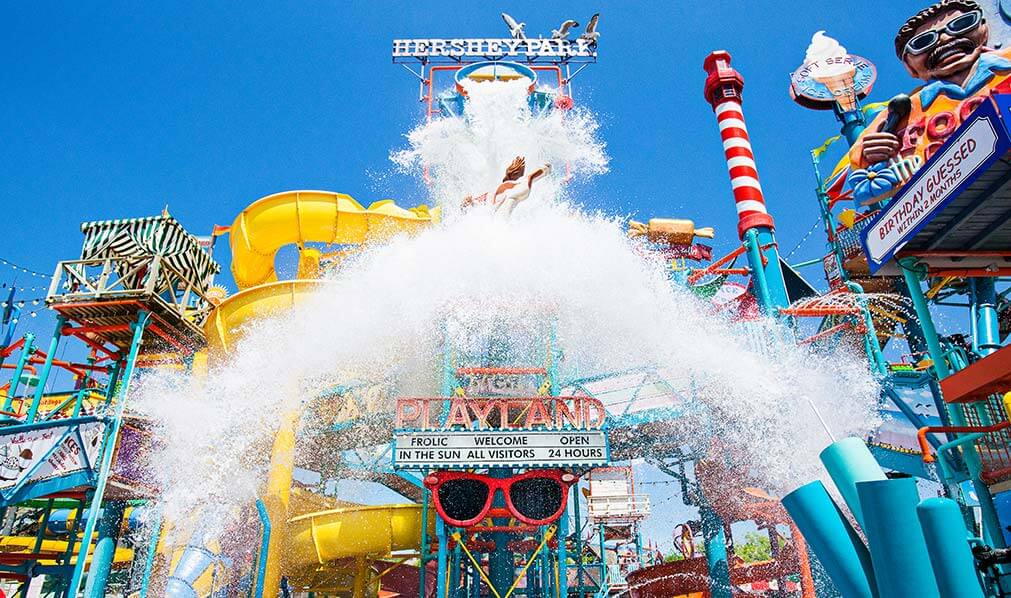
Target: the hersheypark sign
(458, 49)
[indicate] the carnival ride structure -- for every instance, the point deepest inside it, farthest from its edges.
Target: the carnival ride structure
(141, 296)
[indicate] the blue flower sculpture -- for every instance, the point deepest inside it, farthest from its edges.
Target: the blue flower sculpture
(874, 181)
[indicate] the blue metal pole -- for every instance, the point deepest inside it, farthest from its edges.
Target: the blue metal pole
(501, 566)
(853, 123)
(423, 566)
(898, 549)
(440, 532)
(105, 548)
(716, 553)
(152, 550)
(261, 566)
(986, 330)
(992, 530)
(948, 546)
(54, 344)
(26, 352)
(563, 553)
(108, 449)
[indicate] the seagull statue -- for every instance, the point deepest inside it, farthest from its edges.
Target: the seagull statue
(563, 31)
(515, 29)
(591, 34)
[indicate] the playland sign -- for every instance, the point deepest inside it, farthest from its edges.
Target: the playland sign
(468, 432)
(491, 49)
(540, 448)
(935, 183)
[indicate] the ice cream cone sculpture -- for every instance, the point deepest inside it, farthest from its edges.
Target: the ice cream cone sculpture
(671, 231)
(832, 67)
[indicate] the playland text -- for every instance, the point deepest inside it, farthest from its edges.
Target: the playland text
(499, 413)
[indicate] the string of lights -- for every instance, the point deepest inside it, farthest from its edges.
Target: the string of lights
(24, 270)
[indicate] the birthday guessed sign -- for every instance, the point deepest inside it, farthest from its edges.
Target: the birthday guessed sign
(929, 190)
(483, 432)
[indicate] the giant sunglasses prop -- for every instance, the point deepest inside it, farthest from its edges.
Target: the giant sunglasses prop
(956, 27)
(536, 497)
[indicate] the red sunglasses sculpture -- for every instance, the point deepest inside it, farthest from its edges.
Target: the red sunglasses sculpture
(537, 497)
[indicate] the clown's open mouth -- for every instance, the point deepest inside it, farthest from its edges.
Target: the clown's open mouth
(950, 52)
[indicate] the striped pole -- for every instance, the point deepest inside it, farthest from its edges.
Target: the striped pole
(723, 91)
(754, 224)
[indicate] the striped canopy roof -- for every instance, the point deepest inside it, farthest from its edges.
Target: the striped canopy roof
(145, 237)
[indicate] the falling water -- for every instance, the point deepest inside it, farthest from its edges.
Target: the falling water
(385, 315)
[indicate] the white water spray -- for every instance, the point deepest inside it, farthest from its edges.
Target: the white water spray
(385, 314)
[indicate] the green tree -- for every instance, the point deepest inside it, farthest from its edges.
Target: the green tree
(756, 548)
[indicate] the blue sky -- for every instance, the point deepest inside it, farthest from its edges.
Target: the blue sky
(115, 110)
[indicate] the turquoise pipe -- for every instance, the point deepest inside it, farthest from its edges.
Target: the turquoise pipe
(849, 461)
(152, 550)
(898, 549)
(716, 553)
(831, 537)
(440, 533)
(54, 344)
(261, 566)
(26, 352)
(985, 328)
(948, 547)
(105, 549)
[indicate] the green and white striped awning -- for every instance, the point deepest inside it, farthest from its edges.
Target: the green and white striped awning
(146, 237)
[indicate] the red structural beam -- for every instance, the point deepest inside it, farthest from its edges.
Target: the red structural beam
(696, 275)
(952, 253)
(969, 272)
(988, 376)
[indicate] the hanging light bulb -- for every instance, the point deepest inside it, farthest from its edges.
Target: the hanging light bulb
(35, 301)
(34, 314)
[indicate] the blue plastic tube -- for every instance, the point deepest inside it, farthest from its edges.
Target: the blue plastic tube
(898, 550)
(948, 546)
(849, 461)
(829, 534)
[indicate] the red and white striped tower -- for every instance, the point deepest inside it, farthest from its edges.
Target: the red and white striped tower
(723, 91)
(754, 224)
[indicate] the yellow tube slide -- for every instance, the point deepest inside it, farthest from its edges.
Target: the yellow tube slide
(299, 217)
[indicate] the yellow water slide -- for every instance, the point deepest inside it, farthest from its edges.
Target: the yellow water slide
(307, 545)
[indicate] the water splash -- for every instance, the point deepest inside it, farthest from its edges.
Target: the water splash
(385, 315)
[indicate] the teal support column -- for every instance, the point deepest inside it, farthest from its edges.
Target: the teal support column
(54, 344)
(443, 559)
(152, 550)
(579, 539)
(423, 548)
(105, 548)
(830, 536)
(716, 553)
(112, 428)
(563, 554)
(766, 271)
(604, 581)
(261, 565)
(501, 567)
(898, 549)
(455, 571)
(992, 531)
(948, 546)
(26, 353)
(985, 328)
(849, 461)
(853, 123)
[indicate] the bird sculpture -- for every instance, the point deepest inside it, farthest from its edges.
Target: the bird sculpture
(563, 30)
(591, 35)
(515, 29)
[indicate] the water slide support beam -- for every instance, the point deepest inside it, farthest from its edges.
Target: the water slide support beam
(108, 447)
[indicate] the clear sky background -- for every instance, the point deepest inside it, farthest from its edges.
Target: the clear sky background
(115, 110)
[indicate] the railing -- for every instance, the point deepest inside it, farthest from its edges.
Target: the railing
(618, 507)
(122, 278)
(991, 440)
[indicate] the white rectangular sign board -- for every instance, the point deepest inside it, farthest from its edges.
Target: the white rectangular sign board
(934, 184)
(519, 448)
(47, 453)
